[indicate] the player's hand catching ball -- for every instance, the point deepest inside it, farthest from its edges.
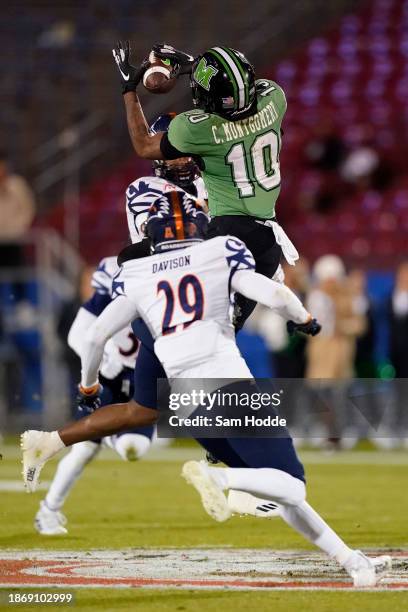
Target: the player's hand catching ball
(182, 62)
(159, 77)
(130, 75)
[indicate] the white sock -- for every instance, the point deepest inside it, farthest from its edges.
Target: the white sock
(54, 444)
(68, 471)
(267, 483)
(288, 491)
(310, 525)
(120, 444)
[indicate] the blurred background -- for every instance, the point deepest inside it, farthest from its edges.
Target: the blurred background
(66, 159)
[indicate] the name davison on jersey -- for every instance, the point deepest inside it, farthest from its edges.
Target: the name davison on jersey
(238, 129)
(171, 264)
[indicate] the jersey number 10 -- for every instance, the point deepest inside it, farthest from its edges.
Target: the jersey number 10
(263, 155)
(194, 307)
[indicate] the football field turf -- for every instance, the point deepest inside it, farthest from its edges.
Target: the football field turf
(123, 508)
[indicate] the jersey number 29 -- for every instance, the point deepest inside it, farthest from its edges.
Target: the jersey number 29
(187, 285)
(263, 155)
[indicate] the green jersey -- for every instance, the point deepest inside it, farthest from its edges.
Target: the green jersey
(241, 158)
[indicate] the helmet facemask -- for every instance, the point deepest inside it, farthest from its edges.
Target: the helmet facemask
(181, 172)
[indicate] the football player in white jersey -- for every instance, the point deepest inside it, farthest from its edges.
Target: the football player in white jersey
(181, 175)
(185, 302)
(116, 375)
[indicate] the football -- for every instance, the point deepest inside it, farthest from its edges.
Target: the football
(157, 79)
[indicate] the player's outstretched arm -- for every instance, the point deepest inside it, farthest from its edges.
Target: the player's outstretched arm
(117, 314)
(146, 145)
(275, 295)
(82, 322)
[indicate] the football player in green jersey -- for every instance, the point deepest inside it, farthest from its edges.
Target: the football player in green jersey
(234, 134)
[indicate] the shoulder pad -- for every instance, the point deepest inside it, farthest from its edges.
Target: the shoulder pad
(146, 189)
(238, 256)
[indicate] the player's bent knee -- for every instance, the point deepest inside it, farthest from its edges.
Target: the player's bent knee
(297, 493)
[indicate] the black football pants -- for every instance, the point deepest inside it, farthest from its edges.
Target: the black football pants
(260, 240)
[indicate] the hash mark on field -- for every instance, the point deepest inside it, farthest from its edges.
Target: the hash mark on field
(212, 568)
(17, 486)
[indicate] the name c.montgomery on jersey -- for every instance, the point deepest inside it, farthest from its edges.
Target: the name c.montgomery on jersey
(240, 158)
(232, 130)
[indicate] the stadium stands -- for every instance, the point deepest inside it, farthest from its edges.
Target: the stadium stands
(354, 81)
(358, 76)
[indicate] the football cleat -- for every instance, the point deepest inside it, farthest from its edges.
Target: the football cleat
(243, 503)
(89, 400)
(130, 447)
(131, 454)
(367, 571)
(212, 497)
(49, 522)
(37, 447)
(210, 458)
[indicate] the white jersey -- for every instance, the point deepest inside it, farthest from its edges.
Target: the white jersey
(141, 194)
(124, 340)
(184, 297)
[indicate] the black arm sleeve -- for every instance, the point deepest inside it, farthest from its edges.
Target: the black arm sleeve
(170, 152)
(134, 251)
